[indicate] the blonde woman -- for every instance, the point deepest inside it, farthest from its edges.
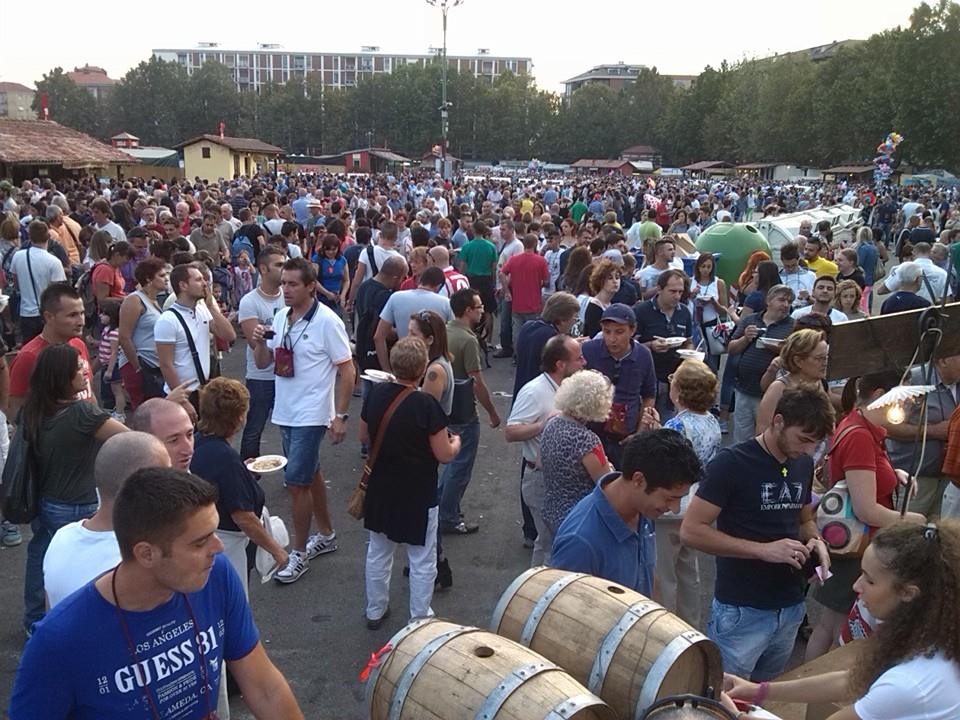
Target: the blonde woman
(572, 454)
(803, 361)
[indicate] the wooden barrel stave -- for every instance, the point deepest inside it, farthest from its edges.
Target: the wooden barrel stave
(441, 671)
(590, 627)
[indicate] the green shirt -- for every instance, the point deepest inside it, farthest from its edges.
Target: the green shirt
(465, 351)
(480, 256)
(577, 211)
(650, 230)
(955, 259)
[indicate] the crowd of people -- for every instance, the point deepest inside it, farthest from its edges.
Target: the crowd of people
(629, 368)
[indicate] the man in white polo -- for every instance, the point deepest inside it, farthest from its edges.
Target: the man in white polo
(314, 376)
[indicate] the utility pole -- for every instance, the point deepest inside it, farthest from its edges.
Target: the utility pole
(445, 6)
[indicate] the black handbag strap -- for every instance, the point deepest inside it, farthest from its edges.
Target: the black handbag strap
(193, 347)
(36, 295)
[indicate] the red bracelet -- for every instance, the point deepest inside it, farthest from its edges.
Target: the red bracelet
(762, 691)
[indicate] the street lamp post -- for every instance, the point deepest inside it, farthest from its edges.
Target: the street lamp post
(445, 6)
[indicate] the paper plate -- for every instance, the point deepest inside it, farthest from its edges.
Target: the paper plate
(770, 343)
(377, 376)
(691, 354)
(673, 342)
(266, 464)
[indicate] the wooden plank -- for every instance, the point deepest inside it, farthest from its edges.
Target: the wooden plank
(886, 342)
(841, 658)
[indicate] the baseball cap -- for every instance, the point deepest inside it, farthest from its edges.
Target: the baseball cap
(619, 313)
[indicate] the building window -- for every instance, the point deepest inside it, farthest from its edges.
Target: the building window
(205, 153)
(182, 58)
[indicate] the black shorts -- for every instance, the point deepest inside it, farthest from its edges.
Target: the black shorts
(483, 284)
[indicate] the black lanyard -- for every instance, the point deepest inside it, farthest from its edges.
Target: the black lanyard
(211, 714)
(308, 317)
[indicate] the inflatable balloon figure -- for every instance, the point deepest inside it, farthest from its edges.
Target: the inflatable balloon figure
(883, 162)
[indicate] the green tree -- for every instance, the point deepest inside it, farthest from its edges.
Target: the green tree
(209, 98)
(67, 103)
(148, 103)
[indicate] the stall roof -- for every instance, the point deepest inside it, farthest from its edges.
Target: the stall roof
(707, 165)
(849, 169)
(235, 143)
(757, 166)
(45, 142)
(600, 164)
(155, 155)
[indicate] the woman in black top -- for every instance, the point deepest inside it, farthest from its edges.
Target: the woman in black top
(64, 433)
(223, 410)
(401, 502)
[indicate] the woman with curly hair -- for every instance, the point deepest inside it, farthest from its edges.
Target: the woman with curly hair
(571, 454)
(910, 667)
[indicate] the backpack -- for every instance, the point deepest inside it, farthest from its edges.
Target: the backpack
(843, 532)
(85, 288)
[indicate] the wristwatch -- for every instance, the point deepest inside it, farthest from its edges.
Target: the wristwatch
(343, 416)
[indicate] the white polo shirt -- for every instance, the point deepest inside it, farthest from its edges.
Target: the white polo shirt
(534, 403)
(169, 331)
(307, 398)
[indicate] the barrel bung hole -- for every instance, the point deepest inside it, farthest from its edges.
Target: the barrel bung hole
(615, 590)
(482, 651)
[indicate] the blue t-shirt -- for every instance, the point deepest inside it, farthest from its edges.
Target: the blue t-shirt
(78, 664)
(900, 301)
(594, 539)
(331, 273)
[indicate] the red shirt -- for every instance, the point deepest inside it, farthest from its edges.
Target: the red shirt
(411, 283)
(103, 272)
(863, 449)
(529, 274)
(26, 359)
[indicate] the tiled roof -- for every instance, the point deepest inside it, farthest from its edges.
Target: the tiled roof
(45, 142)
(234, 143)
(90, 75)
(600, 164)
(14, 87)
(707, 165)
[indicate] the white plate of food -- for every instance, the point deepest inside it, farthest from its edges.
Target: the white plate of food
(266, 464)
(377, 376)
(687, 354)
(673, 342)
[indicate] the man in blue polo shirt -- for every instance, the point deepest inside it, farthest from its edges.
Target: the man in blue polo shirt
(609, 533)
(664, 316)
(629, 366)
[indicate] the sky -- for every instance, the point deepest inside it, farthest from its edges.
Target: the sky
(676, 39)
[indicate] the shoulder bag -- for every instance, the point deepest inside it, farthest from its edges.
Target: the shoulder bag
(843, 532)
(201, 378)
(21, 480)
(358, 498)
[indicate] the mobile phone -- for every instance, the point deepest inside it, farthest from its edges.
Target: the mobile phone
(268, 334)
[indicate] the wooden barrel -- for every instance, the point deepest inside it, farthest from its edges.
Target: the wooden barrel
(438, 670)
(624, 647)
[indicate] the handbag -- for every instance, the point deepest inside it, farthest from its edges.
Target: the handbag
(21, 480)
(717, 334)
(358, 498)
(843, 532)
(276, 529)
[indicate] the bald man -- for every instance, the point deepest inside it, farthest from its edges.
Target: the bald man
(453, 280)
(169, 423)
(83, 550)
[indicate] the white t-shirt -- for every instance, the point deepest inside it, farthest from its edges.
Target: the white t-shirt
(801, 281)
(534, 402)
(936, 276)
(920, 689)
(254, 305)
(836, 317)
(380, 256)
(169, 331)
(116, 232)
(75, 557)
(307, 399)
(44, 268)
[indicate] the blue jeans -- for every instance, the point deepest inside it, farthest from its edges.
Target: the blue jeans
(301, 445)
(456, 475)
(506, 335)
(261, 404)
(754, 644)
(52, 516)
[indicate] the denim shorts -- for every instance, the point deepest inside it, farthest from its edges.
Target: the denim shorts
(301, 445)
(755, 644)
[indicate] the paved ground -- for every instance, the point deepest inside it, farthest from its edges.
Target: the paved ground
(314, 629)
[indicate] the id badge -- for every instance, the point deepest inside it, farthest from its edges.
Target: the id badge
(283, 362)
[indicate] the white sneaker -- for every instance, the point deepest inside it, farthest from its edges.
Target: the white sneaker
(297, 565)
(320, 544)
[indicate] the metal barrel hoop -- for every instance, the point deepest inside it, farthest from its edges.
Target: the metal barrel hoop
(509, 594)
(568, 708)
(392, 642)
(661, 666)
(500, 694)
(611, 641)
(543, 604)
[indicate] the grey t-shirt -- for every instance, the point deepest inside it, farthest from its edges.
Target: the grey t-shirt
(405, 303)
(255, 305)
(66, 452)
